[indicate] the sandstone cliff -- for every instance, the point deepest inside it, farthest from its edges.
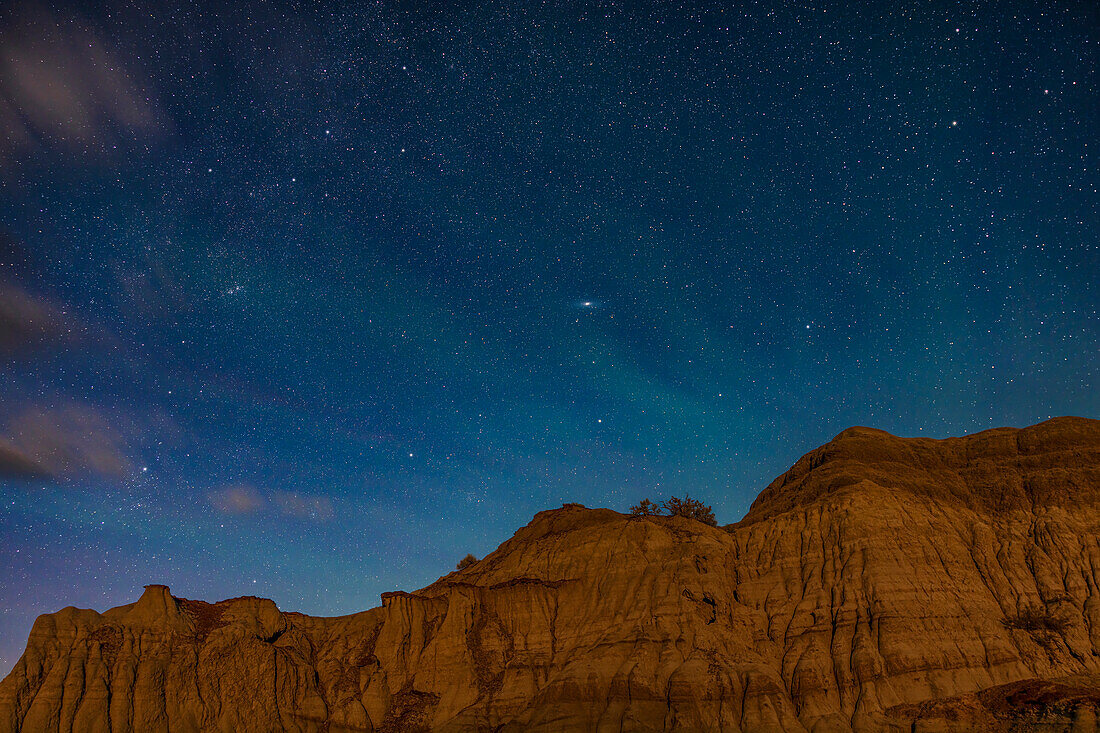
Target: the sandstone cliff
(882, 583)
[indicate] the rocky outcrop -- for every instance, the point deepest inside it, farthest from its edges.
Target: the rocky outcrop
(1053, 464)
(882, 583)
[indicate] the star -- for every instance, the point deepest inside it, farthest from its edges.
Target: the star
(525, 261)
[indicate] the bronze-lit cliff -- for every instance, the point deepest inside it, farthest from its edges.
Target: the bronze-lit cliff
(882, 583)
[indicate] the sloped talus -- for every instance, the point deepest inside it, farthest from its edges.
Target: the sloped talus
(882, 583)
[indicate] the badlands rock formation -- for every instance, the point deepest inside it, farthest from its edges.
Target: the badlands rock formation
(882, 583)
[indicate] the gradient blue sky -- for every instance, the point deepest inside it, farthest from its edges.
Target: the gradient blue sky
(307, 301)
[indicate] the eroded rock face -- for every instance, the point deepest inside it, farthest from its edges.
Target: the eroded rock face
(881, 584)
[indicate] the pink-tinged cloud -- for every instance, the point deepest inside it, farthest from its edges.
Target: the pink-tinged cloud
(244, 499)
(15, 464)
(27, 321)
(62, 86)
(237, 499)
(69, 443)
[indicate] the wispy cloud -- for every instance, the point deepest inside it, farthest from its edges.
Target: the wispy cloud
(245, 499)
(17, 465)
(61, 85)
(65, 444)
(29, 322)
(237, 499)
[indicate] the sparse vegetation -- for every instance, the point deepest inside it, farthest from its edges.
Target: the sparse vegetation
(466, 562)
(1037, 620)
(690, 509)
(645, 508)
(573, 505)
(676, 507)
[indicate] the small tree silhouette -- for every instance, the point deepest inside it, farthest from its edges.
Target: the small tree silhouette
(690, 509)
(644, 508)
(466, 562)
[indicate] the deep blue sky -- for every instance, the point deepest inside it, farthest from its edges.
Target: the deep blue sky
(309, 302)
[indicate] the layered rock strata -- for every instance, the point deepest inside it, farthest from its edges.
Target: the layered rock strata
(882, 583)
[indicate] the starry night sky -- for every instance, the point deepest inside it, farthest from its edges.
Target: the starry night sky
(308, 302)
